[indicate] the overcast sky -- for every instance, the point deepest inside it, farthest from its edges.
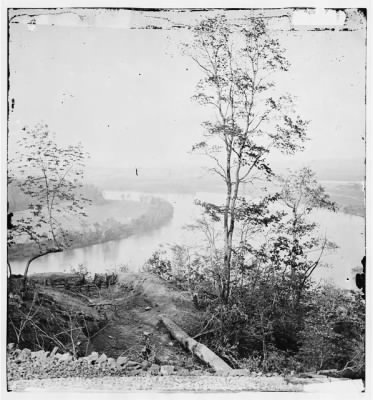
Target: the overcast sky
(126, 93)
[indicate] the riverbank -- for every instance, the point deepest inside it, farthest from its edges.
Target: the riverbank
(102, 227)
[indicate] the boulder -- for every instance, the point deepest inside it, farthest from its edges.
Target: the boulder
(182, 372)
(167, 369)
(111, 363)
(24, 355)
(92, 358)
(66, 357)
(154, 369)
(122, 361)
(39, 356)
(134, 372)
(102, 359)
(132, 364)
(11, 346)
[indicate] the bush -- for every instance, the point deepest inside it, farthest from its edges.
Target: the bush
(159, 266)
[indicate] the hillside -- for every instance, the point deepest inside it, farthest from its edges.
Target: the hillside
(128, 348)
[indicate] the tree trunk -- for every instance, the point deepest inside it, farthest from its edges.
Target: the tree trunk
(38, 256)
(10, 269)
(198, 349)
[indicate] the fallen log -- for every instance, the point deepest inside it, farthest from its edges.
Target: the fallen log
(198, 349)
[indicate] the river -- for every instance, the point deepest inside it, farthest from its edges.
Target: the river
(347, 231)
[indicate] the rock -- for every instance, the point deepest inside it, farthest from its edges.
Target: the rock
(111, 363)
(167, 369)
(102, 359)
(239, 372)
(182, 372)
(54, 351)
(65, 357)
(145, 333)
(92, 358)
(38, 354)
(154, 369)
(132, 364)
(147, 308)
(306, 375)
(145, 365)
(134, 372)
(11, 346)
(196, 373)
(17, 352)
(122, 361)
(24, 355)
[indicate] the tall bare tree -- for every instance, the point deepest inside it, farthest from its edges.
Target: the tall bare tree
(250, 120)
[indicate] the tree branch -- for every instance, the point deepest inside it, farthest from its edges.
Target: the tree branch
(38, 256)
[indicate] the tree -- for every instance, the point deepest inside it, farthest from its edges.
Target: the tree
(272, 279)
(250, 120)
(297, 237)
(334, 331)
(51, 176)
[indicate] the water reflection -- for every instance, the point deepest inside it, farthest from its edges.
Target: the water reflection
(346, 231)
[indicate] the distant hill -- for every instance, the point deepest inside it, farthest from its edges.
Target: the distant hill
(348, 169)
(19, 201)
(190, 180)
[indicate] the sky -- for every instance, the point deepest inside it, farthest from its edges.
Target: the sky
(98, 77)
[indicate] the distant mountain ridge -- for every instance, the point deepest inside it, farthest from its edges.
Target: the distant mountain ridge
(186, 179)
(350, 169)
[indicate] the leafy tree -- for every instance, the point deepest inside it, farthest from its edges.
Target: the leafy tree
(297, 235)
(50, 176)
(250, 120)
(271, 278)
(334, 331)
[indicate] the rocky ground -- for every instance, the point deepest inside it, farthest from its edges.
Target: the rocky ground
(52, 371)
(26, 364)
(133, 351)
(55, 371)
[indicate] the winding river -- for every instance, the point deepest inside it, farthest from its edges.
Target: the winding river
(347, 231)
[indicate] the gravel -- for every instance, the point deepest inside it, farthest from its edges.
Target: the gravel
(157, 383)
(27, 365)
(40, 370)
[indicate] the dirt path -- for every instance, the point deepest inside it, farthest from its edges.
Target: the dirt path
(134, 326)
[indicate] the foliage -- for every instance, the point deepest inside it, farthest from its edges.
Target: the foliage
(275, 318)
(50, 175)
(18, 201)
(158, 265)
(251, 121)
(36, 321)
(334, 330)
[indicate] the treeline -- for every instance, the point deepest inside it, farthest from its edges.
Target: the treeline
(159, 213)
(19, 201)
